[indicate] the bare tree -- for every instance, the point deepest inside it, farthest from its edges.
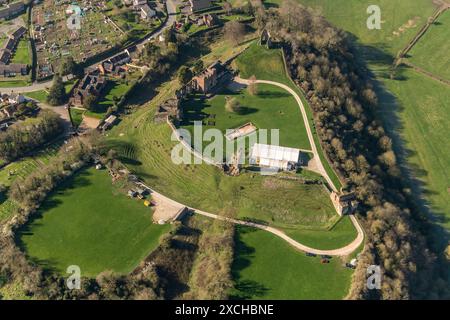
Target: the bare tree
(227, 7)
(234, 32)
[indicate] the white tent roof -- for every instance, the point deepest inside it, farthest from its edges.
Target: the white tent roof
(267, 153)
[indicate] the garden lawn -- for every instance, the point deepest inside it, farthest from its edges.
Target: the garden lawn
(22, 53)
(18, 82)
(76, 116)
(271, 108)
(432, 51)
(266, 267)
(113, 92)
(40, 95)
(88, 223)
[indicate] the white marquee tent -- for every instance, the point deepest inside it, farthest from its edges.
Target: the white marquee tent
(282, 158)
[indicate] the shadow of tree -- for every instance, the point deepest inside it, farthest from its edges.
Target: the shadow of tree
(244, 288)
(378, 64)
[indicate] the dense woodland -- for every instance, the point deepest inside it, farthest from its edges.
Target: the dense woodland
(23, 137)
(323, 63)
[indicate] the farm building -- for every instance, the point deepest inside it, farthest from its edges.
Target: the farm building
(282, 158)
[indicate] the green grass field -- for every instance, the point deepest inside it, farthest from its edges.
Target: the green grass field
(268, 64)
(148, 148)
(20, 169)
(432, 51)
(419, 102)
(266, 267)
(272, 108)
(17, 82)
(424, 119)
(40, 95)
(400, 20)
(89, 223)
(336, 236)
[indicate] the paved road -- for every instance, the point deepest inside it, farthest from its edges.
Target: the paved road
(171, 10)
(346, 250)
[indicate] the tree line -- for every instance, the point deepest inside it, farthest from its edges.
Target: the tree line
(23, 137)
(324, 64)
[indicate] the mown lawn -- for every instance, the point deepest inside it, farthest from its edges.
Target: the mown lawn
(22, 53)
(114, 90)
(337, 236)
(146, 148)
(271, 108)
(432, 51)
(40, 95)
(268, 64)
(266, 267)
(17, 82)
(77, 116)
(88, 223)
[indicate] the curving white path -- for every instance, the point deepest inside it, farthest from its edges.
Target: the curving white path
(348, 249)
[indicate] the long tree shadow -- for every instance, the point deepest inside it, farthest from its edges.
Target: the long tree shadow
(378, 63)
(244, 288)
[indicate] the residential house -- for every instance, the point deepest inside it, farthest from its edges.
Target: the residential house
(12, 10)
(147, 13)
(110, 65)
(16, 98)
(13, 69)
